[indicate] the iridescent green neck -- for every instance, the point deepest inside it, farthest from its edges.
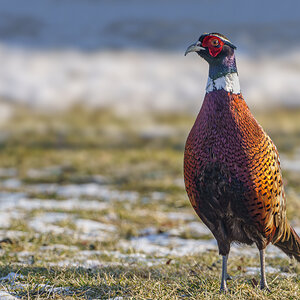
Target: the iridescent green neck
(222, 68)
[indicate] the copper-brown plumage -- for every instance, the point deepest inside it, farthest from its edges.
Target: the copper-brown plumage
(226, 139)
(233, 178)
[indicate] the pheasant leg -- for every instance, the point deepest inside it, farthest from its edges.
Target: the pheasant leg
(228, 277)
(263, 281)
(223, 288)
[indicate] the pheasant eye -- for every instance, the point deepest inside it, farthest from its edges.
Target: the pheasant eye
(215, 42)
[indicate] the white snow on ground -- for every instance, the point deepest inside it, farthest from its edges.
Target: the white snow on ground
(146, 80)
(59, 247)
(167, 245)
(11, 233)
(42, 227)
(84, 262)
(86, 229)
(44, 223)
(49, 204)
(5, 218)
(87, 263)
(180, 216)
(164, 245)
(6, 296)
(92, 226)
(11, 183)
(8, 199)
(53, 217)
(87, 189)
(125, 258)
(268, 269)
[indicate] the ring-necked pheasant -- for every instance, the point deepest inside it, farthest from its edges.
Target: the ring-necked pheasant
(231, 166)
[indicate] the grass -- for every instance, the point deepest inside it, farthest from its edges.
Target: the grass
(143, 155)
(187, 278)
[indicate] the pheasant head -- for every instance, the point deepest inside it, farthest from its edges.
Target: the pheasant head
(218, 51)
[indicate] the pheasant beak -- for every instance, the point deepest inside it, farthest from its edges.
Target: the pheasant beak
(194, 48)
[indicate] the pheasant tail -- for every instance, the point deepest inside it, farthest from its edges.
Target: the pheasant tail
(289, 243)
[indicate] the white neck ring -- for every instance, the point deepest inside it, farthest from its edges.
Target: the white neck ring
(230, 83)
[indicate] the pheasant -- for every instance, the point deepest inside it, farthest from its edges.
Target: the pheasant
(231, 166)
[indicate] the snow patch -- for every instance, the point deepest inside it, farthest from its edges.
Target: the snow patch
(60, 247)
(67, 205)
(164, 245)
(6, 218)
(147, 80)
(88, 226)
(6, 296)
(89, 189)
(43, 223)
(181, 216)
(268, 269)
(11, 183)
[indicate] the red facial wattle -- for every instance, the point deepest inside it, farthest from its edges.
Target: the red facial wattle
(214, 45)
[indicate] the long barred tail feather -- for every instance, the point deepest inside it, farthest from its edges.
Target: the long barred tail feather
(289, 243)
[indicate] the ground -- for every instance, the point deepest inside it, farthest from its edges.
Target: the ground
(92, 205)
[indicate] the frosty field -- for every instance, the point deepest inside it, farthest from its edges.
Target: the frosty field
(92, 205)
(96, 101)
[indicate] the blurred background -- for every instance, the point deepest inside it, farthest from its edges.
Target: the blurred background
(128, 54)
(96, 101)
